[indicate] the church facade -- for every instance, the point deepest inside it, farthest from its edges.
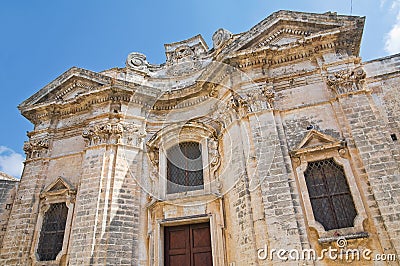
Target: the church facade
(274, 146)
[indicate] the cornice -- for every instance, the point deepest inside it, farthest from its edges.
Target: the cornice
(273, 56)
(278, 19)
(73, 71)
(85, 102)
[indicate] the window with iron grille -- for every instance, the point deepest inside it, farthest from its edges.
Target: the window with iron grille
(184, 167)
(330, 196)
(52, 232)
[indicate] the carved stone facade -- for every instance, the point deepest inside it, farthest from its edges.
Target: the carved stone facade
(261, 107)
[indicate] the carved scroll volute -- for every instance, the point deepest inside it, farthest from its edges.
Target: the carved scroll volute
(154, 156)
(224, 115)
(220, 37)
(296, 161)
(269, 93)
(238, 104)
(215, 160)
(137, 62)
(36, 148)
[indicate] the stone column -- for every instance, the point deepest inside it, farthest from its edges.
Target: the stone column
(105, 228)
(20, 230)
(370, 138)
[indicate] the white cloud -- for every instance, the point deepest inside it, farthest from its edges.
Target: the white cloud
(392, 43)
(395, 5)
(11, 162)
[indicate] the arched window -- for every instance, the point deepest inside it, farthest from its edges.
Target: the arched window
(329, 193)
(184, 168)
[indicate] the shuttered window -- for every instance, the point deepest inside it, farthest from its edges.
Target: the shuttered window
(330, 195)
(52, 232)
(184, 168)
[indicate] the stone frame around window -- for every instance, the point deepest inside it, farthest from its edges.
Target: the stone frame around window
(327, 148)
(59, 191)
(173, 135)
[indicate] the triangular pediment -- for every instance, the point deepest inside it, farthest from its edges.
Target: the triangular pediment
(70, 84)
(315, 140)
(283, 40)
(58, 186)
(284, 32)
(283, 28)
(71, 88)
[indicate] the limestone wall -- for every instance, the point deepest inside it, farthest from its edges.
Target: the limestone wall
(8, 190)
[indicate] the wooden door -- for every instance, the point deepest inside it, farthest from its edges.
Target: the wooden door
(188, 245)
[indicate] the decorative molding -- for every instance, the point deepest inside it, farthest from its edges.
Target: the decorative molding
(300, 166)
(36, 148)
(284, 31)
(271, 56)
(114, 133)
(172, 133)
(80, 104)
(347, 237)
(347, 81)
(77, 84)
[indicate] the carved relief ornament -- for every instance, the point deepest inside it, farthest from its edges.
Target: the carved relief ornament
(347, 80)
(260, 98)
(36, 148)
(183, 61)
(114, 133)
(215, 160)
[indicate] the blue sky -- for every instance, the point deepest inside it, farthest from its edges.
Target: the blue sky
(42, 39)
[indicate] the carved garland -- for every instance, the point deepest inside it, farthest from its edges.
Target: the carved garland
(113, 133)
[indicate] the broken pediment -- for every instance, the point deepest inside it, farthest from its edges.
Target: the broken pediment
(72, 83)
(315, 140)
